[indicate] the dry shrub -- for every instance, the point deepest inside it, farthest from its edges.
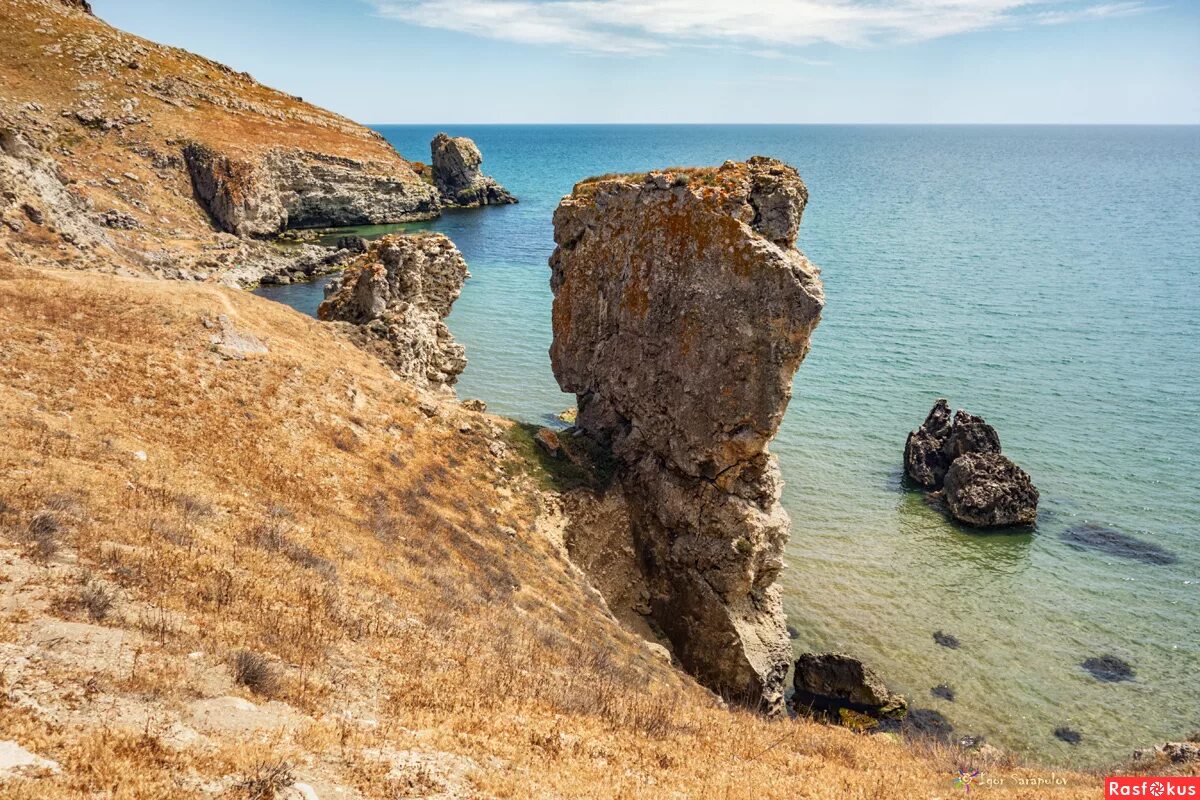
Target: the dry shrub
(254, 671)
(96, 600)
(42, 535)
(265, 781)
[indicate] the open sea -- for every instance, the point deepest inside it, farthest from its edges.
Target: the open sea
(1045, 278)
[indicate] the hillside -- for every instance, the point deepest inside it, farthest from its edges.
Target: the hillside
(393, 574)
(150, 157)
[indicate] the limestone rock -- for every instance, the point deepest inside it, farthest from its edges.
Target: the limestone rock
(290, 188)
(456, 163)
(835, 681)
(681, 313)
(395, 298)
(970, 434)
(15, 760)
(988, 490)
(82, 5)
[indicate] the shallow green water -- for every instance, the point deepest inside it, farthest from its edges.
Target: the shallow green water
(1047, 279)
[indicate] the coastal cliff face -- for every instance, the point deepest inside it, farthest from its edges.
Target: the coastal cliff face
(395, 298)
(300, 189)
(172, 160)
(456, 168)
(681, 313)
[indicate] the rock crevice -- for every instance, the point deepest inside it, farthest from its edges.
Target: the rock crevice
(681, 313)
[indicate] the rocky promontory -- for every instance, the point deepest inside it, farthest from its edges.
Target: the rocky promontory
(456, 167)
(681, 312)
(393, 301)
(960, 461)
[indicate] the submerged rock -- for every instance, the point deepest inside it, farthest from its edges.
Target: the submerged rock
(1109, 668)
(1116, 543)
(944, 691)
(395, 298)
(1066, 734)
(456, 164)
(988, 490)
(925, 723)
(835, 681)
(681, 313)
(947, 640)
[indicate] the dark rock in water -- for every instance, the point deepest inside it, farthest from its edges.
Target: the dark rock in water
(1116, 543)
(961, 457)
(972, 741)
(970, 434)
(355, 244)
(834, 681)
(792, 632)
(925, 461)
(1065, 734)
(925, 723)
(987, 490)
(943, 691)
(1109, 669)
(947, 640)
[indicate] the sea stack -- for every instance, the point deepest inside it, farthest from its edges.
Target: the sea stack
(456, 166)
(960, 461)
(681, 312)
(393, 301)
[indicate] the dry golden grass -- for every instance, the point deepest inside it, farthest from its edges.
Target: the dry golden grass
(414, 644)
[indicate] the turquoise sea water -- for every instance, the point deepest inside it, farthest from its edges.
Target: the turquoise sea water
(1046, 278)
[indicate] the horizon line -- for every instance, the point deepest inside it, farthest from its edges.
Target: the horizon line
(813, 124)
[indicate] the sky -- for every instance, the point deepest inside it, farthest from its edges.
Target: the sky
(703, 61)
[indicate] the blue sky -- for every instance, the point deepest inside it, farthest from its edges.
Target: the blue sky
(484, 61)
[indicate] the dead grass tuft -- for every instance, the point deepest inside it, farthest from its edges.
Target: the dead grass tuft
(266, 781)
(254, 671)
(42, 535)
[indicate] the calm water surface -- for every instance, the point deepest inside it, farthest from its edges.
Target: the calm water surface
(1046, 278)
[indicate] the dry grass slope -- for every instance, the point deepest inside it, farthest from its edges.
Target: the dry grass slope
(224, 574)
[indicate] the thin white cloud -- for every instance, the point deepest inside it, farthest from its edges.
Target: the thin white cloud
(647, 26)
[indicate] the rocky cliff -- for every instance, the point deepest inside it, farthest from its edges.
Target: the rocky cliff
(681, 312)
(394, 299)
(457, 173)
(172, 158)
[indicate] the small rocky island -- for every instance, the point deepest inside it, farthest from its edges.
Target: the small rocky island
(960, 462)
(457, 173)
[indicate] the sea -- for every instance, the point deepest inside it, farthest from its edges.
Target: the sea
(1046, 278)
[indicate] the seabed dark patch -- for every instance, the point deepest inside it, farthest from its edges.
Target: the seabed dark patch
(1115, 543)
(1109, 668)
(947, 640)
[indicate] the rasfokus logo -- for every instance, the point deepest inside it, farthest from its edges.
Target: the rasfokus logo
(1152, 787)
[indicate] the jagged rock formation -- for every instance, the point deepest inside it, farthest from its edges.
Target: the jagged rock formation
(394, 299)
(962, 462)
(681, 312)
(988, 490)
(456, 163)
(831, 682)
(291, 188)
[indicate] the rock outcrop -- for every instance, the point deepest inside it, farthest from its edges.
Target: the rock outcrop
(681, 313)
(961, 460)
(290, 188)
(392, 302)
(831, 682)
(987, 490)
(455, 165)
